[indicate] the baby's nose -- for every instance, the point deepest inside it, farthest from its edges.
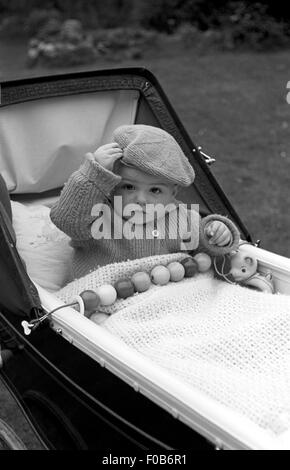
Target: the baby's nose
(141, 197)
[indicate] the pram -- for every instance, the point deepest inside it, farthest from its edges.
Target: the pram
(81, 387)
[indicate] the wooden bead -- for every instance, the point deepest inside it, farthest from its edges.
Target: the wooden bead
(91, 301)
(141, 281)
(124, 288)
(204, 262)
(177, 271)
(160, 275)
(190, 266)
(107, 294)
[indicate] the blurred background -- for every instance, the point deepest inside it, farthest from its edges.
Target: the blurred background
(224, 65)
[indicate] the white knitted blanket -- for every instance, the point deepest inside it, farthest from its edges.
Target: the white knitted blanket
(229, 342)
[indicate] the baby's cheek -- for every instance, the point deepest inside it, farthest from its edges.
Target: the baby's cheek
(165, 199)
(121, 194)
(126, 199)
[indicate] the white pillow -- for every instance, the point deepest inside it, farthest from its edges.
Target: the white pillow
(43, 247)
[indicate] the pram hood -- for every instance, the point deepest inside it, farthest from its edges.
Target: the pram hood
(48, 123)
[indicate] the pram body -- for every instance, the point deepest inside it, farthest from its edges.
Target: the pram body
(80, 387)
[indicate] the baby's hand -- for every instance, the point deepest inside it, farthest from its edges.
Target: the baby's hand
(107, 154)
(218, 233)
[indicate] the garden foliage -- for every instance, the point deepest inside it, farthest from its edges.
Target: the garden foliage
(78, 31)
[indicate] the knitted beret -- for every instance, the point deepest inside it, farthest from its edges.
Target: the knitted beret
(154, 151)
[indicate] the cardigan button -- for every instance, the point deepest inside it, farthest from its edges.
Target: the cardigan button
(155, 233)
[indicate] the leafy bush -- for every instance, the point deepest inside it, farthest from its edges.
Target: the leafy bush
(252, 26)
(11, 26)
(190, 36)
(61, 44)
(234, 23)
(67, 43)
(161, 15)
(40, 18)
(237, 26)
(60, 54)
(156, 13)
(122, 38)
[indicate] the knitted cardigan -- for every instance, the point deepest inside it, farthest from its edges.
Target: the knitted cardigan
(92, 184)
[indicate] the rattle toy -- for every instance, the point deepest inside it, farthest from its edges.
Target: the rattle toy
(241, 268)
(89, 301)
(237, 267)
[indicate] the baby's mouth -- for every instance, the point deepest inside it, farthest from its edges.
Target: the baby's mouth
(138, 214)
(135, 213)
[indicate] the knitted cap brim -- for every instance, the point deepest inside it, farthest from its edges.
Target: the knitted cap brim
(154, 151)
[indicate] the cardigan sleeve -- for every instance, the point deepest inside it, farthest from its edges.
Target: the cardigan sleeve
(89, 185)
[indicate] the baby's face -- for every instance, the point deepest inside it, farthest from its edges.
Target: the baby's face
(138, 187)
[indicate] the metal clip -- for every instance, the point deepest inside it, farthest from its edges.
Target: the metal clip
(207, 158)
(28, 327)
(146, 86)
(218, 445)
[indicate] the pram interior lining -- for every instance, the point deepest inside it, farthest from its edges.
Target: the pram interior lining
(44, 141)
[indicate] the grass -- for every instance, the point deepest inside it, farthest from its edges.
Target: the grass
(234, 105)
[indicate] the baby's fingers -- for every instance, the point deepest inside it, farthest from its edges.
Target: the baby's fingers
(113, 151)
(116, 156)
(211, 229)
(223, 239)
(208, 230)
(110, 145)
(217, 231)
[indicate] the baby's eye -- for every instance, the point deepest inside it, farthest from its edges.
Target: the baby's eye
(128, 187)
(155, 190)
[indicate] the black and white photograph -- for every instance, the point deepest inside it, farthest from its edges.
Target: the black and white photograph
(144, 228)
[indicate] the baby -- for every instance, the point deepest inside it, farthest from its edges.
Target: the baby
(104, 205)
